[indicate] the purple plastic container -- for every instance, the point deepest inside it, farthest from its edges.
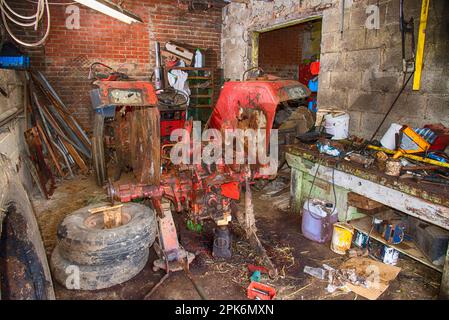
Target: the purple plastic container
(318, 219)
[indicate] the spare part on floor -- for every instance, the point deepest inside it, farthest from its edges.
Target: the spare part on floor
(109, 245)
(24, 271)
(111, 9)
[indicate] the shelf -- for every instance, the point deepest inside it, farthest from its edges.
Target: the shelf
(198, 78)
(200, 106)
(406, 247)
(191, 69)
(200, 96)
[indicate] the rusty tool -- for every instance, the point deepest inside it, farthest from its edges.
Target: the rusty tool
(189, 275)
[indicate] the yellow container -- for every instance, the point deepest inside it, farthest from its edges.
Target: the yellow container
(342, 237)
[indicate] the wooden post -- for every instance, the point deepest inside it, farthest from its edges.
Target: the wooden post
(112, 216)
(444, 288)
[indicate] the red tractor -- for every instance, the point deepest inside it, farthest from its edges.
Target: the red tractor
(203, 191)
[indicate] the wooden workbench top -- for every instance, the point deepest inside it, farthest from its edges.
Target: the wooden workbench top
(438, 194)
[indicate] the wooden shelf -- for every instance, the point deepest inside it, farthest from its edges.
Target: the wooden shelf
(200, 106)
(191, 69)
(198, 78)
(201, 96)
(406, 247)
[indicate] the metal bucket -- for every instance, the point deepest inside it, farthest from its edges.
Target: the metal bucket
(342, 237)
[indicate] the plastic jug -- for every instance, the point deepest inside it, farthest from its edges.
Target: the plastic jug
(199, 59)
(317, 220)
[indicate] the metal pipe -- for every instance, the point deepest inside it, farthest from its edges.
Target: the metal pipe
(158, 78)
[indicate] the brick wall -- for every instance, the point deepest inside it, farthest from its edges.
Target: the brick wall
(280, 51)
(68, 53)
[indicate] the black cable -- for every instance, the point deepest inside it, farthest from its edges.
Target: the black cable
(389, 110)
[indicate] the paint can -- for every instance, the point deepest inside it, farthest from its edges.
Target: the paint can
(393, 167)
(389, 255)
(337, 126)
(342, 237)
(361, 239)
(389, 138)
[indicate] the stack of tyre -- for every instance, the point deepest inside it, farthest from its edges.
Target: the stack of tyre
(90, 257)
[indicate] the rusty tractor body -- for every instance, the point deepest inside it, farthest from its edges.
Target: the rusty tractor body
(203, 191)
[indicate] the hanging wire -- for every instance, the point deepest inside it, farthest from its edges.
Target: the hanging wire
(27, 21)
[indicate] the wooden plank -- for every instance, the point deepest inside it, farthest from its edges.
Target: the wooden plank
(406, 247)
(79, 161)
(50, 150)
(198, 78)
(362, 202)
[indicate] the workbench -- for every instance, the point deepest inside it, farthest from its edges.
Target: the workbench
(335, 178)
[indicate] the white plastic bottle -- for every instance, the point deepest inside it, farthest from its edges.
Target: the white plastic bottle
(199, 61)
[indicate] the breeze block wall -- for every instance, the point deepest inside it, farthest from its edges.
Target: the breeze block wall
(361, 68)
(67, 54)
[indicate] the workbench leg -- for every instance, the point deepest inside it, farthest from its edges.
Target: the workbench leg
(296, 190)
(444, 288)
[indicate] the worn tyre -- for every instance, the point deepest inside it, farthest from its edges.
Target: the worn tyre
(24, 271)
(83, 241)
(96, 277)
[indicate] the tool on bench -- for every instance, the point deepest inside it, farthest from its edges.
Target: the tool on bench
(412, 142)
(410, 156)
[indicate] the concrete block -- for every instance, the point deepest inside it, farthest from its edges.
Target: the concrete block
(409, 107)
(331, 20)
(391, 59)
(369, 123)
(378, 81)
(355, 40)
(331, 98)
(434, 81)
(346, 80)
(359, 16)
(331, 62)
(362, 60)
(354, 122)
(330, 42)
(365, 101)
(437, 109)
(324, 80)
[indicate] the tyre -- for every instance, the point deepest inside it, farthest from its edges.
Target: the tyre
(82, 239)
(24, 271)
(98, 161)
(83, 277)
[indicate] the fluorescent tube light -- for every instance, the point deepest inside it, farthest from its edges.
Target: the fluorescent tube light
(112, 10)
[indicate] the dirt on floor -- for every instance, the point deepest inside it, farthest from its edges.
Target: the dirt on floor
(279, 230)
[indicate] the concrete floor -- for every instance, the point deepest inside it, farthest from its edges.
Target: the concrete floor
(280, 231)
